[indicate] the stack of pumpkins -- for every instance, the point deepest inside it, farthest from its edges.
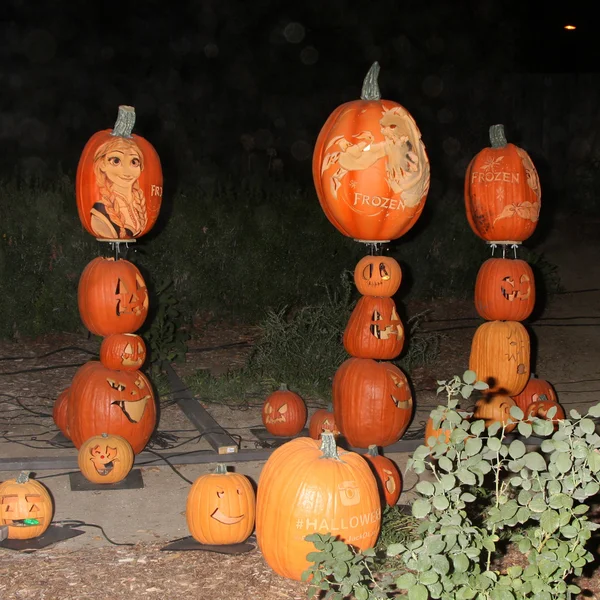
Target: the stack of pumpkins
(109, 410)
(502, 199)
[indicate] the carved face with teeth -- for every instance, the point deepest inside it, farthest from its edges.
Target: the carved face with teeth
(516, 291)
(105, 458)
(123, 351)
(115, 402)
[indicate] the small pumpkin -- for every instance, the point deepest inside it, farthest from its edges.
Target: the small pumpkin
(494, 408)
(540, 409)
(119, 182)
(505, 290)
(536, 390)
(284, 412)
(387, 474)
(221, 508)
(123, 352)
(502, 192)
(60, 414)
(314, 487)
(105, 458)
(322, 420)
(26, 507)
(377, 276)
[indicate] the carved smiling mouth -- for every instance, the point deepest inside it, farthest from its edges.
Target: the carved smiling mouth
(220, 516)
(23, 522)
(133, 410)
(384, 334)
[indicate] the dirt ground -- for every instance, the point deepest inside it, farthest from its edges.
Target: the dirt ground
(567, 352)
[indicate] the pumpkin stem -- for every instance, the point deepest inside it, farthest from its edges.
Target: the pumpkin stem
(497, 137)
(125, 122)
(23, 477)
(372, 450)
(328, 446)
(221, 469)
(283, 387)
(370, 88)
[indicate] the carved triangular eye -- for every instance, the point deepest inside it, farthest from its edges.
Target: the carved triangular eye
(394, 316)
(283, 409)
(128, 349)
(268, 408)
(115, 385)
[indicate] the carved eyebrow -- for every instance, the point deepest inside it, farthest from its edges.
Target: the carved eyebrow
(8, 499)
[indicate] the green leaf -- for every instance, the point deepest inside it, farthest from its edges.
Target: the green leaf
(466, 477)
(418, 592)
(466, 391)
(477, 427)
(421, 508)
(594, 411)
(440, 502)
(587, 426)
(549, 521)
(525, 429)
(574, 414)
(405, 581)
(445, 464)
(440, 564)
(428, 577)
(593, 459)
(473, 446)
(469, 377)
(535, 461)
(461, 563)
(516, 413)
(361, 593)
(426, 488)
(447, 481)
(494, 444)
(517, 449)
(494, 428)
(466, 497)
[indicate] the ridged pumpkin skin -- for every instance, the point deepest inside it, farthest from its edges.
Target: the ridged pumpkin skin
(370, 168)
(284, 412)
(374, 329)
(304, 488)
(494, 408)
(123, 352)
(221, 508)
(536, 390)
(502, 191)
(112, 296)
(372, 402)
(322, 420)
(60, 414)
(23, 498)
(105, 458)
(540, 409)
(115, 402)
(500, 355)
(377, 276)
(387, 474)
(119, 182)
(505, 290)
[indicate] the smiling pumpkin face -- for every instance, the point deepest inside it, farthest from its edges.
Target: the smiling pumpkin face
(123, 352)
(221, 508)
(377, 276)
(105, 459)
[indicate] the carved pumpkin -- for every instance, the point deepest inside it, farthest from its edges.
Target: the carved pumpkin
(500, 355)
(377, 276)
(119, 182)
(105, 458)
(59, 412)
(115, 402)
(387, 474)
(284, 412)
(370, 168)
(493, 408)
(536, 390)
(112, 296)
(505, 290)
(374, 329)
(372, 402)
(221, 508)
(502, 191)
(322, 420)
(123, 352)
(314, 487)
(540, 409)
(25, 507)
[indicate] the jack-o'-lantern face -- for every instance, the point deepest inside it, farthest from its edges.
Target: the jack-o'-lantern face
(388, 481)
(131, 395)
(284, 412)
(400, 392)
(516, 291)
(515, 352)
(377, 276)
(383, 327)
(218, 514)
(123, 352)
(131, 296)
(105, 458)
(275, 415)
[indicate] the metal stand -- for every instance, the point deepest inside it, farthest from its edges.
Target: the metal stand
(133, 481)
(189, 543)
(52, 535)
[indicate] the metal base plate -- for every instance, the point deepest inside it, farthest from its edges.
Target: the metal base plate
(52, 535)
(133, 481)
(189, 543)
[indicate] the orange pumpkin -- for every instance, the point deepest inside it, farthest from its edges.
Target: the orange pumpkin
(431, 432)
(221, 508)
(372, 402)
(494, 408)
(322, 420)
(284, 412)
(502, 192)
(540, 409)
(115, 402)
(505, 290)
(105, 458)
(59, 412)
(26, 507)
(387, 474)
(112, 296)
(123, 352)
(500, 355)
(314, 487)
(370, 168)
(119, 182)
(536, 390)
(377, 276)
(374, 329)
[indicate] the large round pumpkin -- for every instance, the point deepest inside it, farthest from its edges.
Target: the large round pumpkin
(60, 412)
(105, 458)
(536, 390)
(119, 182)
(493, 408)
(314, 487)
(372, 402)
(387, 474)
(505, 290)
(502, 192)
(123, 352)
(500, 355)
(370, 168)
(112, 296)
(374, 329)
(26, 507)
(221, 508)
(284, 412)
(377, 276)
(115, 402)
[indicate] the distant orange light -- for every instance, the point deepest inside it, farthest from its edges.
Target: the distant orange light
(570, 27)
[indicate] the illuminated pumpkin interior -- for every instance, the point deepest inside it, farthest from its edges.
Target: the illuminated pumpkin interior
(21, 511)
(133, 354)
(399, 384)
(383, 329)
(103, 459)
(275, 416)
(133, 407)
(511, 291)
(134, 301)
(390, 484)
